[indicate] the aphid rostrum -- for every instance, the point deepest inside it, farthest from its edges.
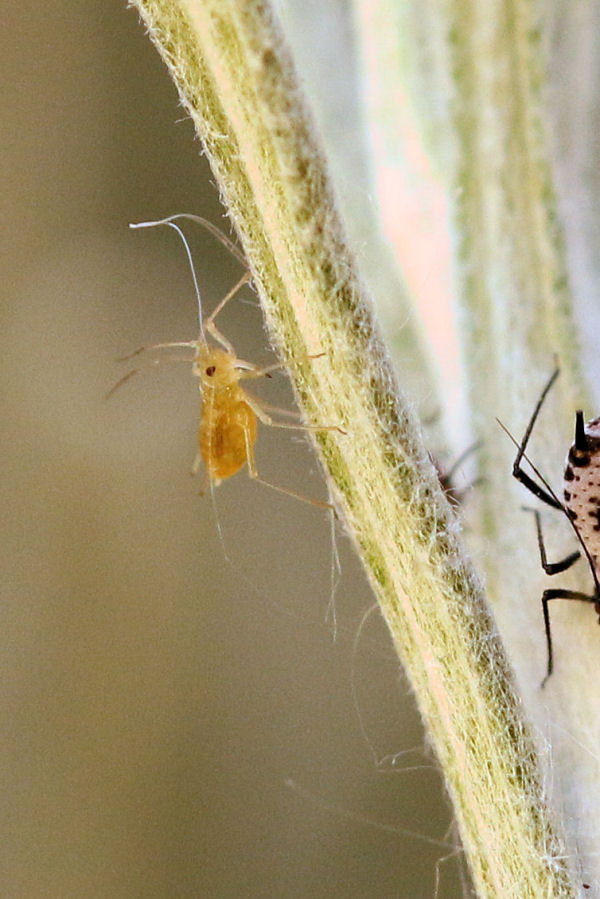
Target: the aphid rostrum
(229, 412)
(581, 506)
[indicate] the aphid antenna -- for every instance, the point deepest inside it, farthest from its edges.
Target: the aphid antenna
(169, 221)
(560, 505)
(216, 232)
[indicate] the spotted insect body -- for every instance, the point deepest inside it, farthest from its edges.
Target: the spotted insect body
(582, 486)
(580, 504)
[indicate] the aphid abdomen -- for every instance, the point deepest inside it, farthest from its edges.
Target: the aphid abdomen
(582, 488)
(226, 431)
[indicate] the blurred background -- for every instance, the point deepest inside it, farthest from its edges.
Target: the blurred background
(178, 719)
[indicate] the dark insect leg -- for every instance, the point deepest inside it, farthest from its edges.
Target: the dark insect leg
(517, 471)
(552, 567)
(556, 593)
(559, 594)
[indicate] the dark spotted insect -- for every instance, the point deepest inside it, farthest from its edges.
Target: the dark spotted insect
(581, 493)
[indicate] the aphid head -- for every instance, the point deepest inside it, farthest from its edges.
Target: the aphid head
(216, 368)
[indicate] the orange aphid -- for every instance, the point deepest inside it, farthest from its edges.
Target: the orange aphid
(228, 423)
(227, 431)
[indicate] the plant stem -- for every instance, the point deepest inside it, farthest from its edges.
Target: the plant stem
(481, 79)
(236, 79)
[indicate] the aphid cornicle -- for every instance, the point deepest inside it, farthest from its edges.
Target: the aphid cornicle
(581, 506)
(228, 422)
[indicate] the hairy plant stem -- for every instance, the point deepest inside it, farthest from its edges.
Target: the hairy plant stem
(481, 82)
(237, 81)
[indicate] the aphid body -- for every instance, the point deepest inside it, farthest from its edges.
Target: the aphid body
(582, 485)
(581, 493)
(227, 431)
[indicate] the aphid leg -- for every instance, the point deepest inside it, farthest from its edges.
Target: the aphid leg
(258, 409)
(269, 407)
(303, 499)
(551, 567)
(202, 492)
(136, 371)
(253, 472)
(555, 593)
(558, 593)
(196, 464)
(120, 383)
(517, 471)
(335, 569)
(209, 323)
(252, 371)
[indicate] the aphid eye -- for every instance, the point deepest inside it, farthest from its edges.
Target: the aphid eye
(211, 370)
